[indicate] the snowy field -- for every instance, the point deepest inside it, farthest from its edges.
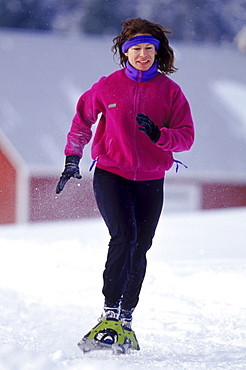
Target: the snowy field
(192, 311)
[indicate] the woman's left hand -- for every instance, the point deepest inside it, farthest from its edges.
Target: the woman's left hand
(148, 126)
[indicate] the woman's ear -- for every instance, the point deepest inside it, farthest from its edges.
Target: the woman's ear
(126, 54)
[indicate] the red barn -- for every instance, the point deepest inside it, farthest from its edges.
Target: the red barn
(28, 196)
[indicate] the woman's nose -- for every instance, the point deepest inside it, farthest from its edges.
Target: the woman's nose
(142, 52)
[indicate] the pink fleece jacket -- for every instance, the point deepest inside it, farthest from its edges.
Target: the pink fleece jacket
(118, 145)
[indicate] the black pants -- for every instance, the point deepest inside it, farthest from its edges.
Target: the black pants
(131, 211)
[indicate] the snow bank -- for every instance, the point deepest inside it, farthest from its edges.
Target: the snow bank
(192, 311)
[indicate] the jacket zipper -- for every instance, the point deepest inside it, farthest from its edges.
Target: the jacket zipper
(137, 97)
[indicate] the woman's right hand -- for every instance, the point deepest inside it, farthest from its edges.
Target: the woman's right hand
(71, 170)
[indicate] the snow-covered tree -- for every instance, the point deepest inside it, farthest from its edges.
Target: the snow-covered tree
(30, 14)
(196, 20)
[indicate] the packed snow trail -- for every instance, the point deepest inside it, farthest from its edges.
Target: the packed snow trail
(192, 309)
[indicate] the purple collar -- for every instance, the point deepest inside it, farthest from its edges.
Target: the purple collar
(134, 74)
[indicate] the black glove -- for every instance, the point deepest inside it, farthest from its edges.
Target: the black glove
(71, 170)
(148, 126)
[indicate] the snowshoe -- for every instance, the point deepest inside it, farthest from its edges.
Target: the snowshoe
(107, 335)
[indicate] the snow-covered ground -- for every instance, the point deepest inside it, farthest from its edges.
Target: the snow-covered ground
(192, 311)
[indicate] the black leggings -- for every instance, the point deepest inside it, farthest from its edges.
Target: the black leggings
(131, 211)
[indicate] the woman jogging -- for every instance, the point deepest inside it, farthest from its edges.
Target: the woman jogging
(145, 117)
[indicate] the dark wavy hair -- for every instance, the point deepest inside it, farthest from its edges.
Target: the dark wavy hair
(132, 26)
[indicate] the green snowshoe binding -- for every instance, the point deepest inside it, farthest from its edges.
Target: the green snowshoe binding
(130, 334)
(109, 335)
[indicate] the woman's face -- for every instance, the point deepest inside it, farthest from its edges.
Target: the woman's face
(141, 56)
